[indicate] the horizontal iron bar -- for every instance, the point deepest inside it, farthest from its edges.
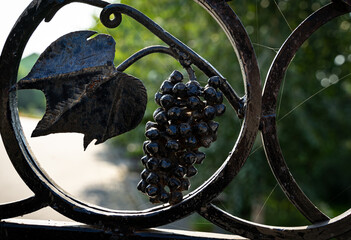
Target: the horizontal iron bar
(38, 229)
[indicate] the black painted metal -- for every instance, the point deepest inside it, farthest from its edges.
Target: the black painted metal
(39, 230)
(25, 206)
(41, 184)
(174, 43)
(143, 53)
(272, 86)
(324, 228)
(84, 91)
(253, 108)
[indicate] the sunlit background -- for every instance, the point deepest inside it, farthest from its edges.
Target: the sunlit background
(313, 110)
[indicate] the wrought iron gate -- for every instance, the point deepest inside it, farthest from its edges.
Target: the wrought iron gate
(257, 109)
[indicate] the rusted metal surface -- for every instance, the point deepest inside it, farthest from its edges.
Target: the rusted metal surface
(97, 78)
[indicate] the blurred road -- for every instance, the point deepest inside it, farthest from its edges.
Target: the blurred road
(97, 175)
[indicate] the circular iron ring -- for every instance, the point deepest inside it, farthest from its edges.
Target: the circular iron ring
(40, 183)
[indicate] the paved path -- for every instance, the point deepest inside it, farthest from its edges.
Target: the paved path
(98, 175)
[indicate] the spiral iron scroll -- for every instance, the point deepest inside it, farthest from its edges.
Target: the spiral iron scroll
(256, 110)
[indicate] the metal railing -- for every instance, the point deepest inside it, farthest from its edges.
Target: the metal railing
(257, 108)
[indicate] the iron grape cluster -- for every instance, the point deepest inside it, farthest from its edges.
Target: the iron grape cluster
(183, 123)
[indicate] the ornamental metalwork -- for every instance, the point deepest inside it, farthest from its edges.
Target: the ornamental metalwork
(87, 94)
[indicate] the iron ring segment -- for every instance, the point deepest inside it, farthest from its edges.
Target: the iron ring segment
(322, 227)
(40, 183)
(22, 207)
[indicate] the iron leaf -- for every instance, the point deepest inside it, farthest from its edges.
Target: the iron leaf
(84, 91)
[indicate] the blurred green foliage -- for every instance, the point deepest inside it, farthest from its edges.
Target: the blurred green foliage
(315, 136)
(314, 102)
(30, 102)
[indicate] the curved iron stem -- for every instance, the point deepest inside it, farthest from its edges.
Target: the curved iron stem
(142, 53)
(174, 43)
